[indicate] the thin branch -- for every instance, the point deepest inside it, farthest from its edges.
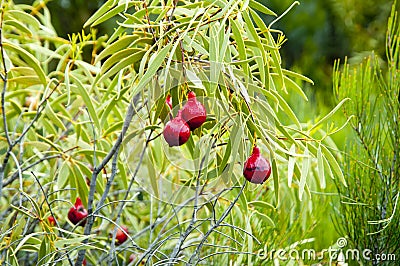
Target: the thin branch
(90, 219)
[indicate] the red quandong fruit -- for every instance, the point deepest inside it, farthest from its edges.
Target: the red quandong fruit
(193, 112)
(78, 213)
(168, 101)
(51, 220)
(257, 169)
(122, 236)
(176, 131)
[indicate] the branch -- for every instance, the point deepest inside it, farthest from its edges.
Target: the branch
(114, 150)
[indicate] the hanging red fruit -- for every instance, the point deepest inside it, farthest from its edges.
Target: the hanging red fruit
(168, 101)
(78, 213)
(122, 235)
(256, 169)
(52, 220)
(176, 131)
(193, 112)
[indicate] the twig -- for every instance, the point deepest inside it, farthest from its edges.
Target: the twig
(90, 219)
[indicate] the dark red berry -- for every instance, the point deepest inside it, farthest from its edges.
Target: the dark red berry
(168, 101)
(193, 112)
(51, 220)
(256, 169)
(122, 235)
(176, 131)
(78, 213)
(84, 262)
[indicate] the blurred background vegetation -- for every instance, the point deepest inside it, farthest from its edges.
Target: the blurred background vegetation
(318, 33)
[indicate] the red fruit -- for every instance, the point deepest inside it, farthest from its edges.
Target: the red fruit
(84, 262)
(176, 131)
(168, 101)
(194, 112)
(132, 257)
(256, 169)
(122, 235)
(51, 220)
(78, 213)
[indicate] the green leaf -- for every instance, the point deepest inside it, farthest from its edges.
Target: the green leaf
(286, 108)
(153, 67)
(291, 163)
(81, 184)
(304, 172)
(290, 83)
(331, 113)
(260, 7)
(24, 17)
(297, 76)
(81, 91)
(76, 240)
(152, 173)
(321, 172)
(239, 38)
(334, 164)
(29, 59)
(262, 204)
(63, 175)
(121, 44)
(53, 117)
(101, 11)
(275, 175)
(266, 218)
(18, 25)
(114, 64)
(111, 12)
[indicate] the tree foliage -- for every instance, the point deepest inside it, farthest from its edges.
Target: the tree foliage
(92, 129)
(369, 205)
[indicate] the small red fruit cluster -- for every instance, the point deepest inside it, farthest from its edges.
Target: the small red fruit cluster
(257, 169)
(192, 115)
(77, 214)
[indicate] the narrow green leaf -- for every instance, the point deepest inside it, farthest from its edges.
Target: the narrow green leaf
(17, 25)
(275, 175)
(291, 84)
(81, 184)
(153, 67)
(81, 91)
(152, 173)
(111, 12)
(237, 35)
(260, 7)
(304, 172)
(266, 218)
(261, 204)
(321, 172)
(53, 117)
(24, 17)
(291, 163)
(331, 113)
(100, 12)
(29, 59)
(286, 108)
(63, 175)
(333, 164)
(297, 76)
(123, 43)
